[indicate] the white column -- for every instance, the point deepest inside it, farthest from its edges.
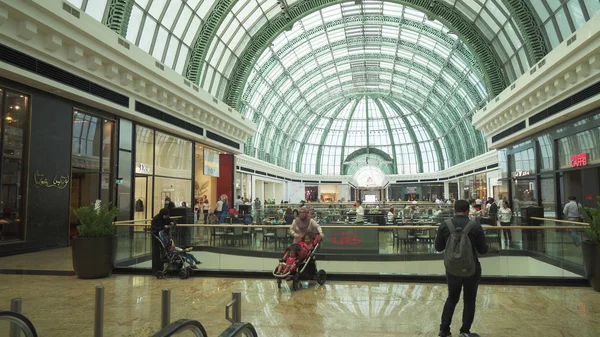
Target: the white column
(446, 189)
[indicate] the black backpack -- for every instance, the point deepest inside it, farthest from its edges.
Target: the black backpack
(459, 258)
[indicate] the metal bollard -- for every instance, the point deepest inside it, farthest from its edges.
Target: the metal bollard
(236, 308)
(16, 305)
(165, 317)
(99, 312)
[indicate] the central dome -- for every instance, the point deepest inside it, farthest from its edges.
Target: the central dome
(356, 78)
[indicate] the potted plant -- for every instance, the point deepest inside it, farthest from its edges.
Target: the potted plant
(94, 249)
(591, 246)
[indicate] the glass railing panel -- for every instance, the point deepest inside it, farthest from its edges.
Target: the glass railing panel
(405, 247)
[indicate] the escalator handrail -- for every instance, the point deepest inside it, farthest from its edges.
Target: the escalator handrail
(238, 328)
(21, 321)
(181, 326)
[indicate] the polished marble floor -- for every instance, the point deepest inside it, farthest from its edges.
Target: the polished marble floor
(64, 306)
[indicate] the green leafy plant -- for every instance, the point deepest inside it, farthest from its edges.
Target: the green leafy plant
(96, 220)
(591, 215)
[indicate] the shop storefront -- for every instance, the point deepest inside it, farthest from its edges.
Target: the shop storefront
(14, 129)
(474, 187)
(416, 191)
(175, 173)
(55, 154)
(549, 167)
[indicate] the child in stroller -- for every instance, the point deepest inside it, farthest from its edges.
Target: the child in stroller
(288, 263)
(165, 237)
(298, 262)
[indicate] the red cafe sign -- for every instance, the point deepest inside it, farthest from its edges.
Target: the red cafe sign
(579, 160)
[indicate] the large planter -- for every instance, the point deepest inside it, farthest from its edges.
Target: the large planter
(591, 263)
(94, 257)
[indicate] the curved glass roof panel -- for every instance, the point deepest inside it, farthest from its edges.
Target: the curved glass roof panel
(337, 76)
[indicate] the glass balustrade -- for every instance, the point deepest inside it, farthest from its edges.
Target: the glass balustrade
(401, 247)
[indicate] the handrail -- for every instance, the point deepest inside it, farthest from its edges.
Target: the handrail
(140, 220)
(240, 329)
(21, 321)
(561, 221)
(374, 226)
(181, 326)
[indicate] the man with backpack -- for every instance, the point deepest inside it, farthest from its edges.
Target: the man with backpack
(460, 238)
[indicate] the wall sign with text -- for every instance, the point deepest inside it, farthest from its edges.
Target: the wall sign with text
(579, 160)
(59, 182)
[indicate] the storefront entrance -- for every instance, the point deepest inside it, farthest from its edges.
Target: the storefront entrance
(143, 199)
(583, 184)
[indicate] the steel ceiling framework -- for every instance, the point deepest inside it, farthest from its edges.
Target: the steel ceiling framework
(226, 46)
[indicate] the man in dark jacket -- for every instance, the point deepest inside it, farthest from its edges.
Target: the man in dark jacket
(456, 283)
(493, 211)
(160, 221)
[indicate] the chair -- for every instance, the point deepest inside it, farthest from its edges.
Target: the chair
(282, 236)
(248, 233)
(269, 235)
(403, 236)
(235, 235)
(217, 233)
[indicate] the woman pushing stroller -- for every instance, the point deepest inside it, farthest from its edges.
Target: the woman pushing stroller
(303, 224)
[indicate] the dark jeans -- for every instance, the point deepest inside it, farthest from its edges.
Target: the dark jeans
(455, 285)
(507, 233)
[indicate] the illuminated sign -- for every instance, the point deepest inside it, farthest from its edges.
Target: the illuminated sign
(579, 160)
(345, 238)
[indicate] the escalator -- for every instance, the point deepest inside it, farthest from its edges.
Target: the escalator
(180, 326)
(188, 325)
(240, 330)
(20, 322)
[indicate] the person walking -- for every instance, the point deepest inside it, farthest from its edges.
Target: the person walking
(460, 238)
(505, 217)
(571, 213)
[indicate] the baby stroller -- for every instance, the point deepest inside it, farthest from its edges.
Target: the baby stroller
(173, 261)
(304, 270)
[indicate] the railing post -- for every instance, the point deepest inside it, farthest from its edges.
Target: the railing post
(165, 317)
(99, 312)
(16, 305)
(236, 313)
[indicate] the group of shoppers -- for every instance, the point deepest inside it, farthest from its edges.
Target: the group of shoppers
(202, 208)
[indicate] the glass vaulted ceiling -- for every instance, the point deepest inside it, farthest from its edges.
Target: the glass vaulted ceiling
(216, 44)
(369, 76)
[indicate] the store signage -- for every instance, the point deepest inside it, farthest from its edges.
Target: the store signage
(211, 163)
(411, 189)
(59, 182)
(143, 168)
(579, 160)
(345, 238)
(521, 173)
